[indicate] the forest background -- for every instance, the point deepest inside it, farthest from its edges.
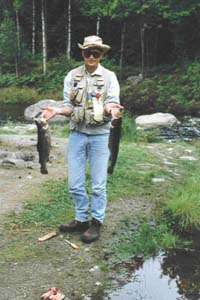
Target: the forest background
(159, 39)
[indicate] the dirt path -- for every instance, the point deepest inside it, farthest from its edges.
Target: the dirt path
(17, 184)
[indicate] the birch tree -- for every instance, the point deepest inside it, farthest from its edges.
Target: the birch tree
(96, 9)
(33, 28)
(44, 42)
(17, 4)
(68, 30)
(98, 25)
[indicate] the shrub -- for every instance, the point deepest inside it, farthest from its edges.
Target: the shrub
(17, 95)
(176, 93)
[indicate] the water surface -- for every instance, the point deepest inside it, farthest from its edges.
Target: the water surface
(171, 276)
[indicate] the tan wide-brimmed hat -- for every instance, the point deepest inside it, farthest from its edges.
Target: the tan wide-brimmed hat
(94, 41)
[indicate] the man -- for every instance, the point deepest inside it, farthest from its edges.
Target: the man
(91, 99)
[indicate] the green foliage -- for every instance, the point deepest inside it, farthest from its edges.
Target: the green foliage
(8, 43)
(176, 93)
(53, 81)
(18, 4)
(35, 86)
(121, 9)
(93, 8)
(18, 95)
(146, 240)
(129, 132)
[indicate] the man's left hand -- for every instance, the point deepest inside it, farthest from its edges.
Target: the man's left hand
(114, 109)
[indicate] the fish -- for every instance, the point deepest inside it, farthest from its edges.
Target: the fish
(43, 141)
(114, 142)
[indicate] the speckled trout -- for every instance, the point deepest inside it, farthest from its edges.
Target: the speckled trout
(44, 142)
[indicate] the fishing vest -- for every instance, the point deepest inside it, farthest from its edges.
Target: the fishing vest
(87, 96)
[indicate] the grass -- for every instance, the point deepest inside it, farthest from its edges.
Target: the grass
(147, 240)
(136, 168)
(184, 203)
(60, 130)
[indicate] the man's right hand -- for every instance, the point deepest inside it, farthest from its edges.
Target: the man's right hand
(50, 112)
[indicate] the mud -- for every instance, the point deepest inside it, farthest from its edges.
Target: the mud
(17, 184)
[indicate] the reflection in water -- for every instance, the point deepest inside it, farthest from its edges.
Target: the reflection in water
(172, 276)
(184, 267)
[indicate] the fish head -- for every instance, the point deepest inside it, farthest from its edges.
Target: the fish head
(41, 123)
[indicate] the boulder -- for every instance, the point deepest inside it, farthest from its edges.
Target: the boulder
(156, 120)
(32, 110)
(134, 80)
(15, 163)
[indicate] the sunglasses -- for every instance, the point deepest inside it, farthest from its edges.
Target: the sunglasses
(94, 53)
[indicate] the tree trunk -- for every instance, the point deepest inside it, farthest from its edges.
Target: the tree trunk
(18, 32)
(98, 25)
(68, 31)
(17, 59)
(16, 66)
(44, 43)
(142, 30)
(122, 47)
(33, 28)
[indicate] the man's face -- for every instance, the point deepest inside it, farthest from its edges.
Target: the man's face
(92, 57)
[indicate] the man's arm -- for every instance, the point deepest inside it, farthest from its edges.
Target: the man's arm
(67, 109)
(112, 104)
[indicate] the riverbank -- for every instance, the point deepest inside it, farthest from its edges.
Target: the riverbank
(172, 88)
(146, 178)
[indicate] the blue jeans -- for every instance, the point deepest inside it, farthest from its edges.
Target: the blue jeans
(94, 148)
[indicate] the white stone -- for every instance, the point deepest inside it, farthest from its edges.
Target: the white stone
(169, 163)
(188, 151)
(191, 158)
(98, 283)
(94, 269)
(156, 120)
(157, 180)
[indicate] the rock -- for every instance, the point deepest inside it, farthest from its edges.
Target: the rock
(98, 283)
(19, 141)
(95, 269)
(190, 158)
(12, 162)
(26, 156)
(156, 120)
(3, 154)
(32, 110)
(158, 179)
(134, 80)
(96, 272)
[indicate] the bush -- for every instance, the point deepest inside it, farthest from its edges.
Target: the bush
(17, 95)
(176, 93)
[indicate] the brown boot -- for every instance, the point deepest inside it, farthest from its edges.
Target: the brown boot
(93, 233)
(74, 226)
